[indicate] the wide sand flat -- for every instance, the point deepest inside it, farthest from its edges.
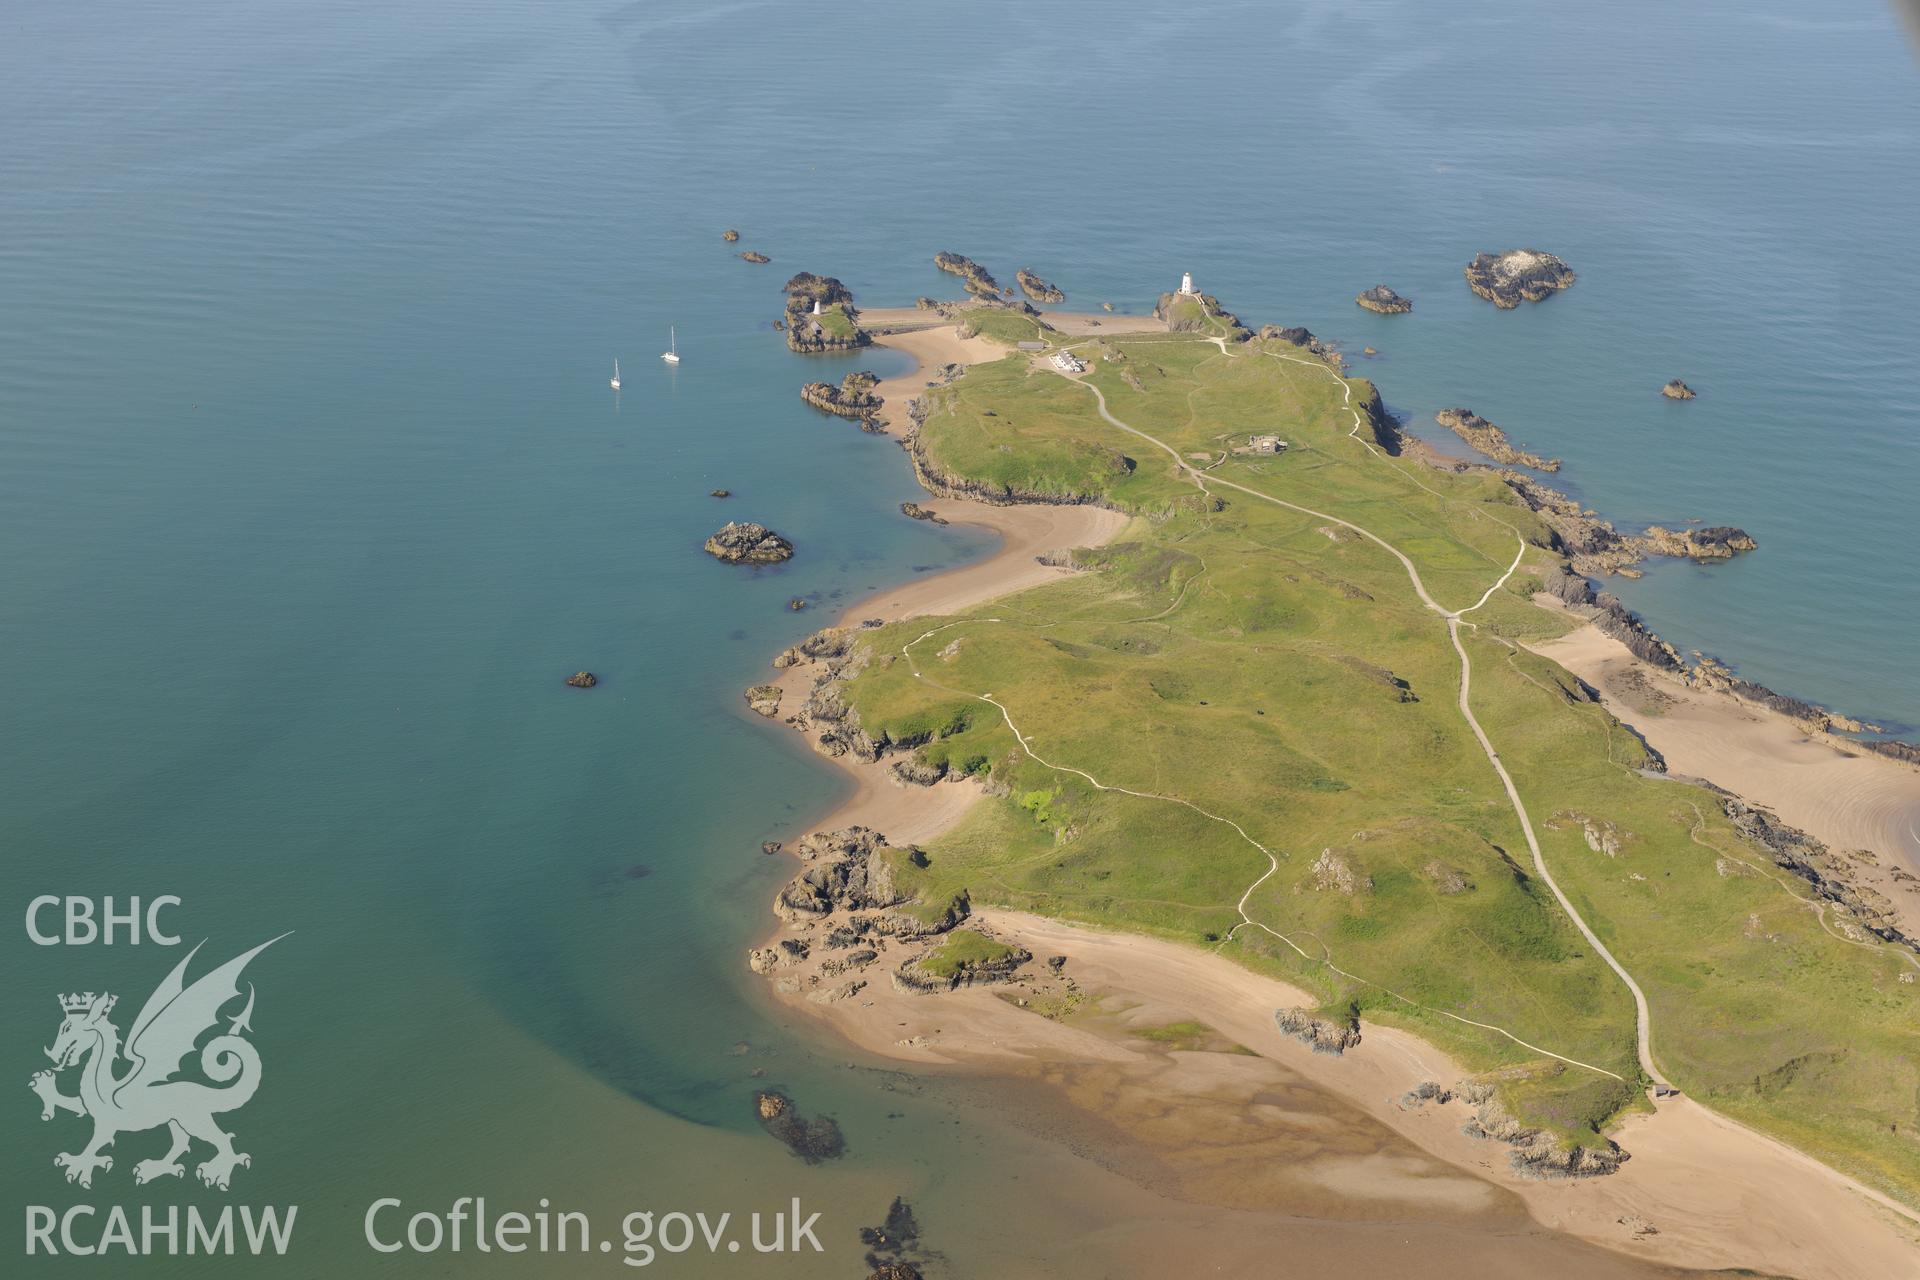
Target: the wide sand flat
(1716, 1194)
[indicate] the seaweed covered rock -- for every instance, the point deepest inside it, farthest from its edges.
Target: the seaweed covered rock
(812, 1138)
(1384, 300)
(754, 255)
(582, 680)
(1518, 275)
(748, 543)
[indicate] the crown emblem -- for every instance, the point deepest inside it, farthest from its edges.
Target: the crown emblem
(80, 1002)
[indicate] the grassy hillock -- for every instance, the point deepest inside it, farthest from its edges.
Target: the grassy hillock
(1006, 324)
(1273, 669)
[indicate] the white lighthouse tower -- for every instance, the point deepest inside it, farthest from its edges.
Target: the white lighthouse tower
(1186, 283)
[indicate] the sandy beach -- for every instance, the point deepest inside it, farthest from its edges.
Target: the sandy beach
(1846, 798)
(1254, 1120)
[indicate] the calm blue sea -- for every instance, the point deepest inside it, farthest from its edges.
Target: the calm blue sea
(312, 489)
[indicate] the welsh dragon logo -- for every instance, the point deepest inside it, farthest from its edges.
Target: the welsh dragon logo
(146, 1095)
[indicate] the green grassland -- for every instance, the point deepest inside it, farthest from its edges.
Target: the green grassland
(963, 949)
(1276, 670)
(834, 321)
(1004, 324)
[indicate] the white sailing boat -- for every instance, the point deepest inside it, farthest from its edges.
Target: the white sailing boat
(616, 374)
(672, 354)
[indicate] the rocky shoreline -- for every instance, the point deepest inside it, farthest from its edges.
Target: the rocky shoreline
(1594, 548)
(1491, 440)
(846, 920)
(941, 485)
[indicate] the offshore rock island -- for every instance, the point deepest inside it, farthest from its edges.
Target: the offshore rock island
(1518, 275)
(853, 398)
(1175, 734)
(820, 315)
(1384, 301)
(743, 542)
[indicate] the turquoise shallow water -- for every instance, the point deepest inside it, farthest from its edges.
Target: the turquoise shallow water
(311, 488)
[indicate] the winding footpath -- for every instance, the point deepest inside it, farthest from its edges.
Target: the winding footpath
(1643, 1020)
(1273, 861)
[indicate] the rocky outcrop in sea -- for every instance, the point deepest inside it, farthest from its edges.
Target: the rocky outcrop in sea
(812, 1138)
(1518, 275)
(853, 398)
(1491, 440)
(1678, 390)
(582, 680)
(1037, 289)
(1385, 301)
(914, 511)
(976, 279)
(748, 543)
(754, 255)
